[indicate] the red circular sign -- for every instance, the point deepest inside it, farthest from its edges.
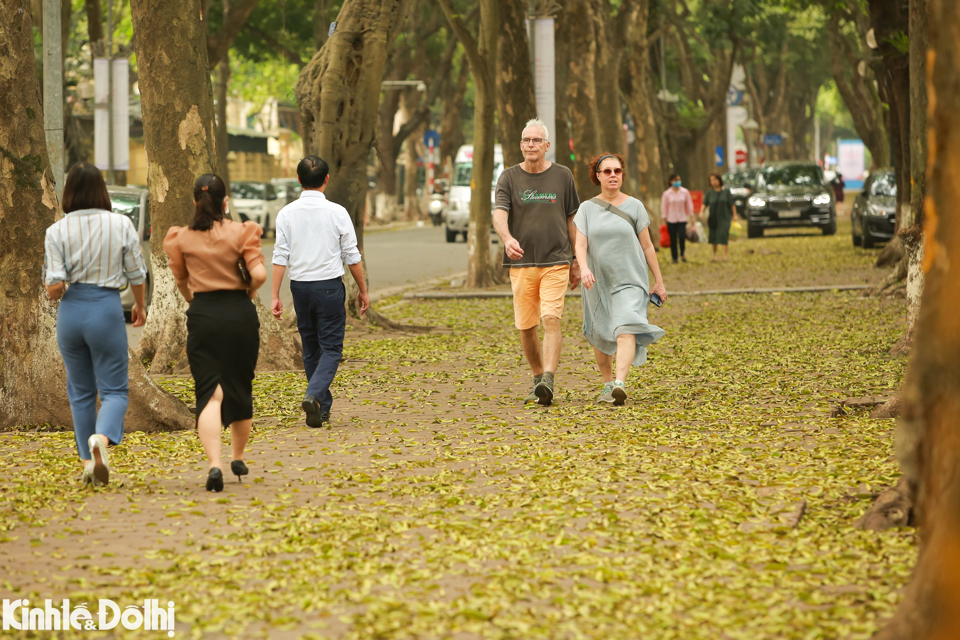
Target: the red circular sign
(741, 156)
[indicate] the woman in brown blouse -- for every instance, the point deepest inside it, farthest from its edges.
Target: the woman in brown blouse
(223, 332)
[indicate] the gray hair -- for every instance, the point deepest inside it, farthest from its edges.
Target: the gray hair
(537, 122)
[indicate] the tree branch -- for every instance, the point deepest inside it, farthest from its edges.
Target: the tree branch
(219, 43)
(470, 45)
(440, 79)
(289, 54)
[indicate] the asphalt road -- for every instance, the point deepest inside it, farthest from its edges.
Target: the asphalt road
(394, 257)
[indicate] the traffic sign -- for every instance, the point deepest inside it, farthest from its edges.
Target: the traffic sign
(431, 134)
(718, 156)
(734, 96)
(741, 156)
(772, 140)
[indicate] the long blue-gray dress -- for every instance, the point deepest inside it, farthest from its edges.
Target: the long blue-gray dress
(617, 304)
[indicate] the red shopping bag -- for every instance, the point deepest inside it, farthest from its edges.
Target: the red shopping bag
(664, 236)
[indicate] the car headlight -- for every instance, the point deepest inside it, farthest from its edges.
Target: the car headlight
(822, 199)
(757, 202)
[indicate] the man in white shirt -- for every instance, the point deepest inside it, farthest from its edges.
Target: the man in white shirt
(315, 237)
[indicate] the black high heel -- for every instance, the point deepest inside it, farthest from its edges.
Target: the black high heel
(215, 480)
(239, 469)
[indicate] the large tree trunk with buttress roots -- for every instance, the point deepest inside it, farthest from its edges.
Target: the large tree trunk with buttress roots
(32, 377)
(339, 95)
(180, 140)
(928, 436)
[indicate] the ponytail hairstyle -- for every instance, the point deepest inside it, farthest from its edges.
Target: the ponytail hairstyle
(208, 192)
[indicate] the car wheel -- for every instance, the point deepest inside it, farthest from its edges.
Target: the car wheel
(866, 240)
(857, 240)
(148, 295)
(464, 236)
(831, 228)
(754, 231)
(451, 235)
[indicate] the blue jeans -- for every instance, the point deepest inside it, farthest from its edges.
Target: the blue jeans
(93, 342)
(321, 319)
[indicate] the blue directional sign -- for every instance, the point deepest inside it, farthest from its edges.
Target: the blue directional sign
(718, 156)
(431, 134)
(773, 140)
(734, 96)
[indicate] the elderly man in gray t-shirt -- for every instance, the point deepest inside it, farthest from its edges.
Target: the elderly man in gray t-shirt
(533, 215)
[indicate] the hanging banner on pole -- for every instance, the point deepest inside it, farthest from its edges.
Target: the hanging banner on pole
(121, 114)
(101, 113)
(545, 82)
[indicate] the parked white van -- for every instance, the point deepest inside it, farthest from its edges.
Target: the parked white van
(458, 209)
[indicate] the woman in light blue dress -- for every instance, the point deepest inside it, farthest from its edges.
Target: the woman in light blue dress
(614, 250)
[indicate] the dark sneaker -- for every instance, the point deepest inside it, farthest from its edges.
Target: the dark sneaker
(532, 396)
(606, 396)
(311, 406)
(619, 394)
(544, 390)
(325, 416)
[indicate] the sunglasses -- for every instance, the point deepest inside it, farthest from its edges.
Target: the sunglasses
(612, 172)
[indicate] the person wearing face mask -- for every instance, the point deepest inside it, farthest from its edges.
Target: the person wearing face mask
(676, 206)
(615, 252)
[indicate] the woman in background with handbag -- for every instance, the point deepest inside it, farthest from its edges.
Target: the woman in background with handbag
(218, 267)
(614, 250)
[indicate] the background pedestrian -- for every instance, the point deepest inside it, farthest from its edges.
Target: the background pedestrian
(676, 206)
(719, 202)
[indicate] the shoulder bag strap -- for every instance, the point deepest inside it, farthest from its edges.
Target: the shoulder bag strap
(617, 212)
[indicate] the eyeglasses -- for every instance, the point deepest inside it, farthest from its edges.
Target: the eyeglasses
(529, 141)
(612, 172)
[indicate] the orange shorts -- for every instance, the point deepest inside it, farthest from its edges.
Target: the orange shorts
(537, 292)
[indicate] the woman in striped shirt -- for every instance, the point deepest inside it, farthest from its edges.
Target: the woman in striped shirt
(95, 251)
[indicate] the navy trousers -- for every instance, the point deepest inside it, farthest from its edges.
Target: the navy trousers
(321, 319)
(93, 342)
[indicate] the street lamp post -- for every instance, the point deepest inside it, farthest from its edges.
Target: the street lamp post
(53, 89)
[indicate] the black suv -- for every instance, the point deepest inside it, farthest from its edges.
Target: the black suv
(791, 194)
(874, 213)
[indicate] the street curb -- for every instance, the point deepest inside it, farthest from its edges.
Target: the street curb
(380, 294)
(462, 295)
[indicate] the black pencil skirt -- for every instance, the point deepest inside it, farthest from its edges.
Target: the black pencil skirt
(223, 341)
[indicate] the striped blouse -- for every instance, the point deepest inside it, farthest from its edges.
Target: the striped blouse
(93, 246)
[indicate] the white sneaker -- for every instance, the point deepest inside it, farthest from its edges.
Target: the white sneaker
(101, 470)
(619, 394)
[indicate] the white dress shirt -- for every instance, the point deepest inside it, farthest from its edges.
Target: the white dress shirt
(93, 246)
(314, 238)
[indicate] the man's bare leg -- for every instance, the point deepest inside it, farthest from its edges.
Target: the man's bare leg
(531, 349)
(552, 341)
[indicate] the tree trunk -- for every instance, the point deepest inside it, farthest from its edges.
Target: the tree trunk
(581, 38)
(607, 81)
(888, 18)
(561, 139)
(223, 138)
(32, 377)
(451, 130)
(339, 97)
(179, 136)
(858, 94)
(386, 198)
(928, 437)
(94, 20)
(636, 87)
(481, 53)
(411, 153)
(516, 101)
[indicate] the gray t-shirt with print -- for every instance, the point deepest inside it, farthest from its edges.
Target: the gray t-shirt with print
(538, 206)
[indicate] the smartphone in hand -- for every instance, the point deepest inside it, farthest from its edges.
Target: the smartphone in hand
(655, 299)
